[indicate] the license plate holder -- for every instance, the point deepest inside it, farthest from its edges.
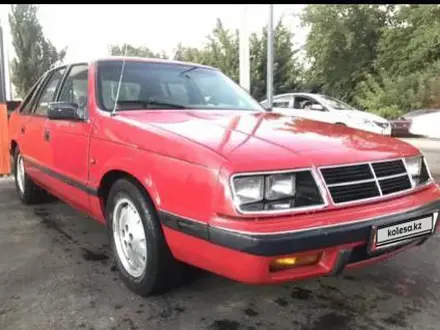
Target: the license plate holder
(397, 234)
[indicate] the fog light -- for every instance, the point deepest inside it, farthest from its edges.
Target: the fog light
(294, 261)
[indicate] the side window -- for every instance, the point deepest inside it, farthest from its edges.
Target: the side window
(303, 103)
(281, 103)
(48, 92)
(29, 100)
(75, 88)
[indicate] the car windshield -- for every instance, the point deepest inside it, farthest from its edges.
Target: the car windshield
(156, 85)
(335, 104)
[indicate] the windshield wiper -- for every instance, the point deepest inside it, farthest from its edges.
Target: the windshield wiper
(147, 104)
(184, 72)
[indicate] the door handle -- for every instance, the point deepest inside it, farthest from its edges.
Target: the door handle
(46, 135)
(22, 130)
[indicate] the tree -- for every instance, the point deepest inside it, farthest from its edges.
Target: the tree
(409, 64)
(222, 51)
(287, 72)
(413, 42)
(342, 44)
(130, 50)
(35, 53)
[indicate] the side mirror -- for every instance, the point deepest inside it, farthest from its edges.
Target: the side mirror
(317, 106)
(64, 111)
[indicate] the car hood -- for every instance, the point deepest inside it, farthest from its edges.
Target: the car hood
(244, 136)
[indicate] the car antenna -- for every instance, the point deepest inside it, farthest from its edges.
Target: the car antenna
(120, 81)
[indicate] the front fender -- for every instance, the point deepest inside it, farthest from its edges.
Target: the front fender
(175, 186)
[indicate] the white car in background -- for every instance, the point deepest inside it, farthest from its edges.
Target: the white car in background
(427, 125)
(328, 109)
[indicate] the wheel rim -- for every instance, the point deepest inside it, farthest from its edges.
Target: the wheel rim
(129, 237)
(20, 173)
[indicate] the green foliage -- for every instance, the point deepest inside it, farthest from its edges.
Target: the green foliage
(391, 96)
(130, 50)
(35, 53)
(342, 45)
(222, 51)
(287, 71)
(385, 59)
(409, 63)
(412, 42)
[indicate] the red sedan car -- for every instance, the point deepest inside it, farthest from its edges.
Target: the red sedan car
(184, 166)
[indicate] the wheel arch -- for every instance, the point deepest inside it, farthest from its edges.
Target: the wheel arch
(111, 176)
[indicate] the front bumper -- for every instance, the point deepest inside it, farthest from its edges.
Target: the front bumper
(314, 239)
(247, 257)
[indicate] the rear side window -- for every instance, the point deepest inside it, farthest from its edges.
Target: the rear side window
(48, 92)
(28, 101)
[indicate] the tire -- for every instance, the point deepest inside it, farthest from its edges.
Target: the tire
(28, 192)
(160, 271)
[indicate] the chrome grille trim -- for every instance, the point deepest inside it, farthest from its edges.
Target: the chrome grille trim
(375, 178)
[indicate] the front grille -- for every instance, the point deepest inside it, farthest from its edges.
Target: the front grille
(389, 168)
(342, 194)
(335, 175)
(363, 181)
(393, 185)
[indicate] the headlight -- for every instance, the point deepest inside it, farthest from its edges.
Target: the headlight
(275, 191)
(417, 170)
(249, 189)
(280, 186)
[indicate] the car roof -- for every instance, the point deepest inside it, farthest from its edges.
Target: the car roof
(132, 58)
(295, 94)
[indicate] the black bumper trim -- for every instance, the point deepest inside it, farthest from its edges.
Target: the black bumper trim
(287, 243)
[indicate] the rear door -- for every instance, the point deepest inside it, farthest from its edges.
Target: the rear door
(17, 124)
(35, 149)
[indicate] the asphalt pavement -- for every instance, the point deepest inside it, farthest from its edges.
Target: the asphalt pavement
(55, 273)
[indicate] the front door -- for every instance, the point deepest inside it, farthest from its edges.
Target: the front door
(69, 141)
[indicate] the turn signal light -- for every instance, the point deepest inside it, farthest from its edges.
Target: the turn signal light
(294, 261)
